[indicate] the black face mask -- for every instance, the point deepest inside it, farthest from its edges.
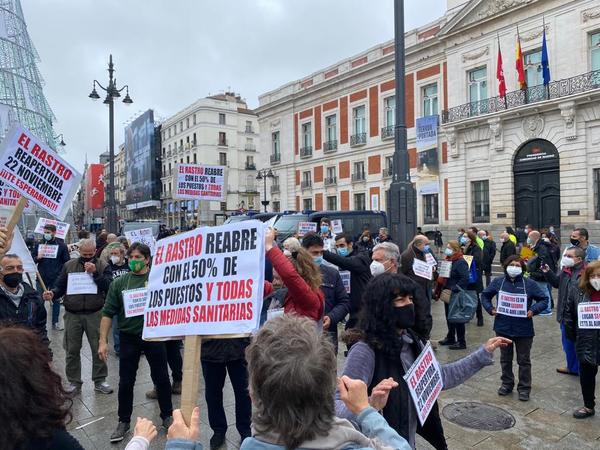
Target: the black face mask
(575, 242)
(404, 316)
(12, 280)
(84, 260)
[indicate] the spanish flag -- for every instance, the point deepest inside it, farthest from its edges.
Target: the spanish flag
(522, 82)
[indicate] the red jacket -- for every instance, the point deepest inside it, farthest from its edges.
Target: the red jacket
(301, 298)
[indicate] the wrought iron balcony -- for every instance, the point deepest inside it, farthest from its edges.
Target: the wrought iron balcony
(330, 146)
(306, 152)
(275, 158)
(250, 147)
(358, 139)
(535, 94)
(329, 181)
(387, 172)
(387, 132)
(275, 189)
(358, 176)
(306, 184)
(250, 166)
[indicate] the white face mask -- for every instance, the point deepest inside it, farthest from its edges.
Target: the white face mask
(513, 271)
(287, 253)
(377, 268)
(567, 261)
(595, 282)
(115, 259)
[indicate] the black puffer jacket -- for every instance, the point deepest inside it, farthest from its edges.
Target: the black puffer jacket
(508, 249)
(31, 312)
(587, 341)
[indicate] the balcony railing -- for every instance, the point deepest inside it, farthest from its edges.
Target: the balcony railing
(330, 146)
(535, 94)
(387, 173)
(275, 158)
(250, 166)
(250, 147)
(275, 189)
(306, 184)
(358, 139)
(358, 176)
(306, 152)
(387, 132)
(329, 181)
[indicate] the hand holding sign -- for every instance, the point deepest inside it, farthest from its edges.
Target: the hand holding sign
(179, 430)
(6, 238)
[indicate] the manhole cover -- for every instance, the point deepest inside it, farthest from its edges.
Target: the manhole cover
(478, 416)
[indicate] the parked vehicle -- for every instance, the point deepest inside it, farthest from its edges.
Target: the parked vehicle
(154, 225)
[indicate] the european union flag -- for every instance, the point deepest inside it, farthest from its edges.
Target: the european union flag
(545, 62)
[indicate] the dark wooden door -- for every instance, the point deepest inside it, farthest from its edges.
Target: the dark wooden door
(537, 198)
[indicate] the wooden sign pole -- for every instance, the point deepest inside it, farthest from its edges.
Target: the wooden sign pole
(191, 376)
(16, 215)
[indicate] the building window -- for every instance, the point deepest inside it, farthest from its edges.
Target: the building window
(430, 208)
(477, 84)
(331, 203)
(307, 204)
(359, 202)
(250, 163)
(389, 166)
(221, 119)
(222, 159)
(597, 194)
(275, 148)
(430, 99)
(188, 159)
(533, 68)
(181, 126)
(248, 126)
(331, 128)
(359, 171)
(359, 119)
(389, 109)
(194, 121)
(195, 160)
(187, 123)
(307, 135)
(595, 50)
(331, 174)
(222, 138)
(307, 177)
(276, 206)
(480, 201)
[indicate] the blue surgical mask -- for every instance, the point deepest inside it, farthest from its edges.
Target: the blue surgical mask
(343, 251)
(324, 229)
(528, 241)
(463, 240)
(426, 248)
(318, 260)
(448, 251)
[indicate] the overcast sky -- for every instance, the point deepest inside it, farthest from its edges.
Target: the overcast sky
(172, 52)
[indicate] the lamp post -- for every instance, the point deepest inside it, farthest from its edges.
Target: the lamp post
(184, 208)
(263, 174)
(112, 92)
(401, 199)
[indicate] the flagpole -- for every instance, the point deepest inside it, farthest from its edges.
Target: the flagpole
(547, 85)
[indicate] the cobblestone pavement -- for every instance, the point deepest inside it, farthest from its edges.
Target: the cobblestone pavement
(545, 422)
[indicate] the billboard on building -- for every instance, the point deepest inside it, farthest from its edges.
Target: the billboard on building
(94, 186)
(142, 176)
(427, 132)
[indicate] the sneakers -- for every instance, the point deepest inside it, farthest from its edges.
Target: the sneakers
(217, 441)
(504, 390)
(73, 389)
(167, 422)
(103, 387)
(524, 396)
(176, 388)
(57, 327)
(119, 434)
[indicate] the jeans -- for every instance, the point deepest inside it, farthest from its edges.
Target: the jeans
(129, 358)
(174, 359)
(75, 326)
(115, 333)
(214, 380)
(569, 349)
(55, 311)
(523, 346)
(587, 378)
(548, 289)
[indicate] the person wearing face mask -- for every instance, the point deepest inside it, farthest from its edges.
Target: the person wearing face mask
(337, 301)
(350, 258)
(541, 256)
(132, 345)
(489, 253)
(82, 315)
(508, 247)
(587, 340)
(580, 238)
(20, 304)
(518, 300)
(118, 267)
(445, 287)
(385, 345)
(572, 265)
(327, 234)
(468, 241)
(50, 267)
(365, 242)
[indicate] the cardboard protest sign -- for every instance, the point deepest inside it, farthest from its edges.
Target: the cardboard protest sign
(200, 182)
(208, 281)
(424, 381)
(144, 236)
(514, 305)
(336, 226)
(47, 251)
(444, 269)
(81, 283)
(306, 227)
(345, 275)
(10, 196)
(430, 259)
(588, 315)
(134, 302)
(37, 172)
(62, 228)
(422, 269)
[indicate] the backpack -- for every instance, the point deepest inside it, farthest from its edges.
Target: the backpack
(473, 272)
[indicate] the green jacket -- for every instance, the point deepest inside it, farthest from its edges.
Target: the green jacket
(114, 302)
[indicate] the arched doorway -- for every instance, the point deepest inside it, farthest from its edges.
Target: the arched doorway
(537, 184)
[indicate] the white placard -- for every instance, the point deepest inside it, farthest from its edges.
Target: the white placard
(430, 259)
(143, 236)
(375, 202)
(306, 227)
(47, 251)
(588, 315)
(37, 172)
(422, 269)
(514, 305)
(9, 197)
(207, 281)
(424, 381)
(62, 228)
(81, 283)
(346, 276)
(200, 182)
(20, 249)
(336, 226)
(134, 301)
(444, 269)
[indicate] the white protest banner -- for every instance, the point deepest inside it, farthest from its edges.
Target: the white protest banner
(588, 315)
(422, 269)
(62, 228)
(514, 305)
(20, 249)
(144, 236)
(37, 172)
(134, 302)
(345, 275)
(47, 251)
(430, 259)
(306, 227)
(336, 226)
(208, 281)
(81, 283)
(10, 196)
(444, 269)
(424, 381)
(200, 182)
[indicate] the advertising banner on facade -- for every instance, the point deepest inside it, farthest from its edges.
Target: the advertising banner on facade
(94, 186)
(427, 132)
(200, 182)
(37, 172)
(208, 281)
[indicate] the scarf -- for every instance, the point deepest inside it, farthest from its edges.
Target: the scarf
(595, 296)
